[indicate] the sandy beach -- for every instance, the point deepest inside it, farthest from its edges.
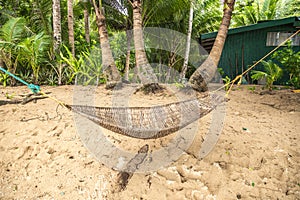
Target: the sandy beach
(257, 155)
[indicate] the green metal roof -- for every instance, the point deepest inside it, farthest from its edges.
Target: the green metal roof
(260, 25)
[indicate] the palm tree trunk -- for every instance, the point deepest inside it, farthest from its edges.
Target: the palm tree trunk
(56, 25)
(108, 63)
(71, 26)
(127, 64)
(87, 24)
(188, 43)
(203, 75)
(145, 71)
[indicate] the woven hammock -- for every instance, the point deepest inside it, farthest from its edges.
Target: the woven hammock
(148, 122)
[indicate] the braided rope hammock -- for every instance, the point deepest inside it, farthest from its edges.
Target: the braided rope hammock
(148, 122)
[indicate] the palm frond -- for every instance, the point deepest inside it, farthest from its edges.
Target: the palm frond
(257, 75)
(13, 30)
(41, 18)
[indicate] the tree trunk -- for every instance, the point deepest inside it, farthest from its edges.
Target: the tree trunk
(71, 26)
(86, 24)
(145, 71)
(188, 43)
(203, 75)
(127, 64)
(56, 25)
(108, 64)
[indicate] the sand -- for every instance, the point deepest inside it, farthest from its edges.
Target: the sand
(257, 155)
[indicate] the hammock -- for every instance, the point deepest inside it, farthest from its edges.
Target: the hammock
(148, 122)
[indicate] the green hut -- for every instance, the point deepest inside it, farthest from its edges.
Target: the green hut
(247, 44)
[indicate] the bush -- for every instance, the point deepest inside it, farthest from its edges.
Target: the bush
(272, 72)
(290, 60)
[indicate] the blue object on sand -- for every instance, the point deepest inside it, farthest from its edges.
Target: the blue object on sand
(34, 88)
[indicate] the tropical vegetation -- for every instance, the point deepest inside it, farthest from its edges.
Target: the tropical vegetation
(272, 72)
(102, 41)
(290, 61)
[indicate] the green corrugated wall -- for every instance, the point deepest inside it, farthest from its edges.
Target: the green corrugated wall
(242, 49)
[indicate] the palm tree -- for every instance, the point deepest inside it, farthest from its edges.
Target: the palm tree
(108, 64)
(121, 19)
(86, 15)
(145, 71)
(202, 76)
(188, 42)
(56, 25)
(71, 25)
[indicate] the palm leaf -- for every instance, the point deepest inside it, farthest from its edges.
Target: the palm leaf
(41, 18)
(13, 30)
(258, 75)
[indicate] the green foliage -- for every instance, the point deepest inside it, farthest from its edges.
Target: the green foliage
(34, 52)
(11, 33)
(251, 11)
(179, 85)
(86, 69)
(290, 60)
(118, 45)
(26, 51)
(207, 16)
(41, 16)
(252, 88)
(9, 96)
(226, 81)
(4, 79)
(91, 72)
(246, 12)
(72, 62)
(221, 71)
(272, 72)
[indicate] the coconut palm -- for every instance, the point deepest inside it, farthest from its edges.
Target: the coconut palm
(119, 17)
(108, 64)
(145, 71)
(56, 25)
(188, 41)
(86, 15)
(206, 71)
(71, 26)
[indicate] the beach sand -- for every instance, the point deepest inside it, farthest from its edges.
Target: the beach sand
(257, 155)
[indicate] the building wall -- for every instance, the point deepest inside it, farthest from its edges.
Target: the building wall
(241, 50)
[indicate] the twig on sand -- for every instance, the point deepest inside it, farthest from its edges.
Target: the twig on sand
(32, 97)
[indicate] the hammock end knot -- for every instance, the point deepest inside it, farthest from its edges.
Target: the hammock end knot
(34, 88)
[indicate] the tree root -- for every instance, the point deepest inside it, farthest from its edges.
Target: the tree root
(150, 88)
